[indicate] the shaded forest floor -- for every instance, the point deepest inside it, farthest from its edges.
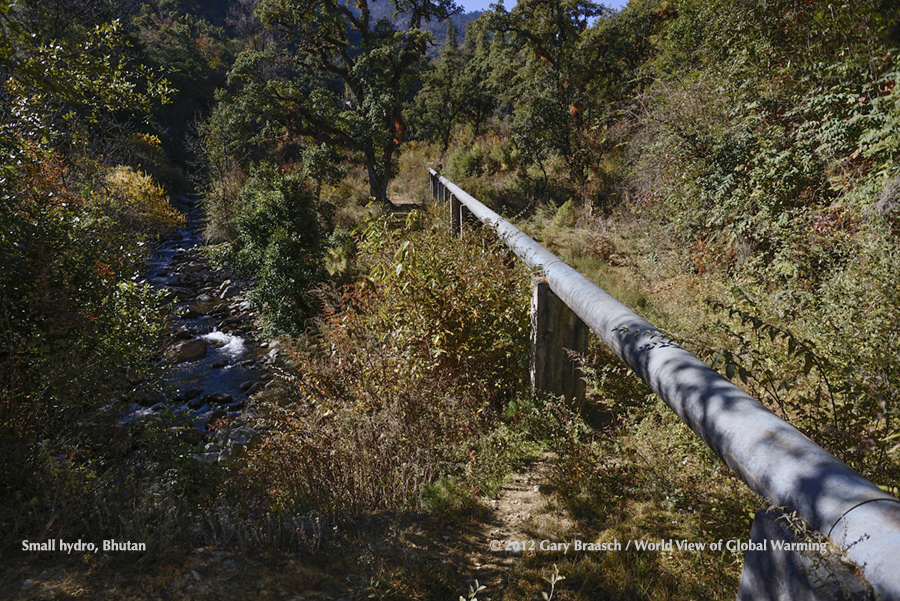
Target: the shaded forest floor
(457, 550)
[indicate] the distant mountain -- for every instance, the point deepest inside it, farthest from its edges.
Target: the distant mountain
(440, 29)
(384, 10)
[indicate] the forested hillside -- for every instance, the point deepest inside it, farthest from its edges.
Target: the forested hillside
(727, 168)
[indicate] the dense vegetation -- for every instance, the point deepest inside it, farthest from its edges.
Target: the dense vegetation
(725, 167)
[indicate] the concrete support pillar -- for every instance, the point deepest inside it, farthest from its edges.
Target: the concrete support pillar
(555, 328)
(466, 218)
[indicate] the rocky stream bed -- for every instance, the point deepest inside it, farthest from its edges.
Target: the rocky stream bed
(215, 362)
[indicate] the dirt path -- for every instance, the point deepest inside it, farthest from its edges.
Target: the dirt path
(522, 511)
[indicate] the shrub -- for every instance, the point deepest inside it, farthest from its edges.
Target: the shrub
(466, 161)
(220, 203)
(827, 372)
(135, 204)
(566, 216)
(457, 306)
(502, 157)
(401, 382)
(280, 241)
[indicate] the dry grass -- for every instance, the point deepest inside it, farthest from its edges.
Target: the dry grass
(646, 478)
(411, 186)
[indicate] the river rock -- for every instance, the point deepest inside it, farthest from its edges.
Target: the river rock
(230, 292)
(225, 456)
(192, 268)
(243, 437)
(189, 313)
(186, 394)
(234, 405)
(182, 293)
(149, 398)
(272, 356)
(222, 435)
(189, 349)
(216, 416)
(217, 398)
(237, 443)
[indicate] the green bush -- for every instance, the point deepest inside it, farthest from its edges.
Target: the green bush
(829, 370)
(281, 242)
(566, 215)
(466, 161)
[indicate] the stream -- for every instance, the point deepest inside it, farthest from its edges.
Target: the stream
(215, 362)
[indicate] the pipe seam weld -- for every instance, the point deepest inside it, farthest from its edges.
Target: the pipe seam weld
(844, 515)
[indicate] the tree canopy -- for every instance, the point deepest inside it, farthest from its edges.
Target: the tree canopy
(331, 73)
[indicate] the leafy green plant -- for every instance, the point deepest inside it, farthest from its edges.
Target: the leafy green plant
(280, 241)
(466, 161)
(566, 215)
(474, 589)
(836, 403)
(761, 374)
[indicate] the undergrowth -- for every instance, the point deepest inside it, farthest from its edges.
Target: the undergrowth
(398, 389)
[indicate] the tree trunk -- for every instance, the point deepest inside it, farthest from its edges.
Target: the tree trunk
(378, 178)
(445, 138)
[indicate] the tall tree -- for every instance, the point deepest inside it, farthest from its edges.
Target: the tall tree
(456, 89)
(337, 75)
(68, 73)
(442, 99)
(551, 98)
